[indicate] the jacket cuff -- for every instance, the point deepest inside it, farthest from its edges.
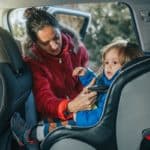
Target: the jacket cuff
(63, 114)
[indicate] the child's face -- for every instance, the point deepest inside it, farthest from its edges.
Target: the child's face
(111, 63)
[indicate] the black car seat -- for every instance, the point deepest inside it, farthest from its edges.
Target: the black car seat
(15, 89)
(126, 115)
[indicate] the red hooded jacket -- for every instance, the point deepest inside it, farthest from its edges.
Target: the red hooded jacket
(53, 83)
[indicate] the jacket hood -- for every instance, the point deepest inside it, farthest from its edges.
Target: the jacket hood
(75, 38)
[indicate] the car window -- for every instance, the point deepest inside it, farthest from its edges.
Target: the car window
(106, 23)
(75, 22)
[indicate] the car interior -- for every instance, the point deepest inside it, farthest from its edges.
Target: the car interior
(126, 113)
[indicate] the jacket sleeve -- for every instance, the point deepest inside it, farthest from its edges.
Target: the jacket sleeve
(87, 78)
(91, 117)
(47, 103)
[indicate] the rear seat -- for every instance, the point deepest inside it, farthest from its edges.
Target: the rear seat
(15, 90)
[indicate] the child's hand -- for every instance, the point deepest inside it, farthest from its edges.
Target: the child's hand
(79, 71)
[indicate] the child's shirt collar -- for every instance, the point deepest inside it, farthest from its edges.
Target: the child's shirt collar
(105, 80)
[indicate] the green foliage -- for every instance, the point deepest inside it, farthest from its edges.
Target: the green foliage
(109, 22)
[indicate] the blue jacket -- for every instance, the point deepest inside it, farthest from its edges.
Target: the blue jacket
(91, 117)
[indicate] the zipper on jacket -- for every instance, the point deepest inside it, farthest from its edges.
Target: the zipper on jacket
(67, 97)
(60, 60)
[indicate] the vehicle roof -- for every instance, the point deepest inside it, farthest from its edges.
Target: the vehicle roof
(29, 3)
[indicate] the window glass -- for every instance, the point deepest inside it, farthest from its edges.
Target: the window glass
(17, 24)
(75, 22)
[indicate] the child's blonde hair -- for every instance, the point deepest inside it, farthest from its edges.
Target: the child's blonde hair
(126, 51)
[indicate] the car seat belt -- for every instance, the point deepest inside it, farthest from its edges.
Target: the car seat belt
(99, 88)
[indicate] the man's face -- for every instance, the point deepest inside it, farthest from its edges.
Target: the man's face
(49, 39)
(111, 63)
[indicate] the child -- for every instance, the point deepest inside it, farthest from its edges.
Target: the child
(114, 56)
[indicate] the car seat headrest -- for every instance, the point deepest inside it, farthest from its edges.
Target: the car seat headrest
(134, 61)
(9, 51)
